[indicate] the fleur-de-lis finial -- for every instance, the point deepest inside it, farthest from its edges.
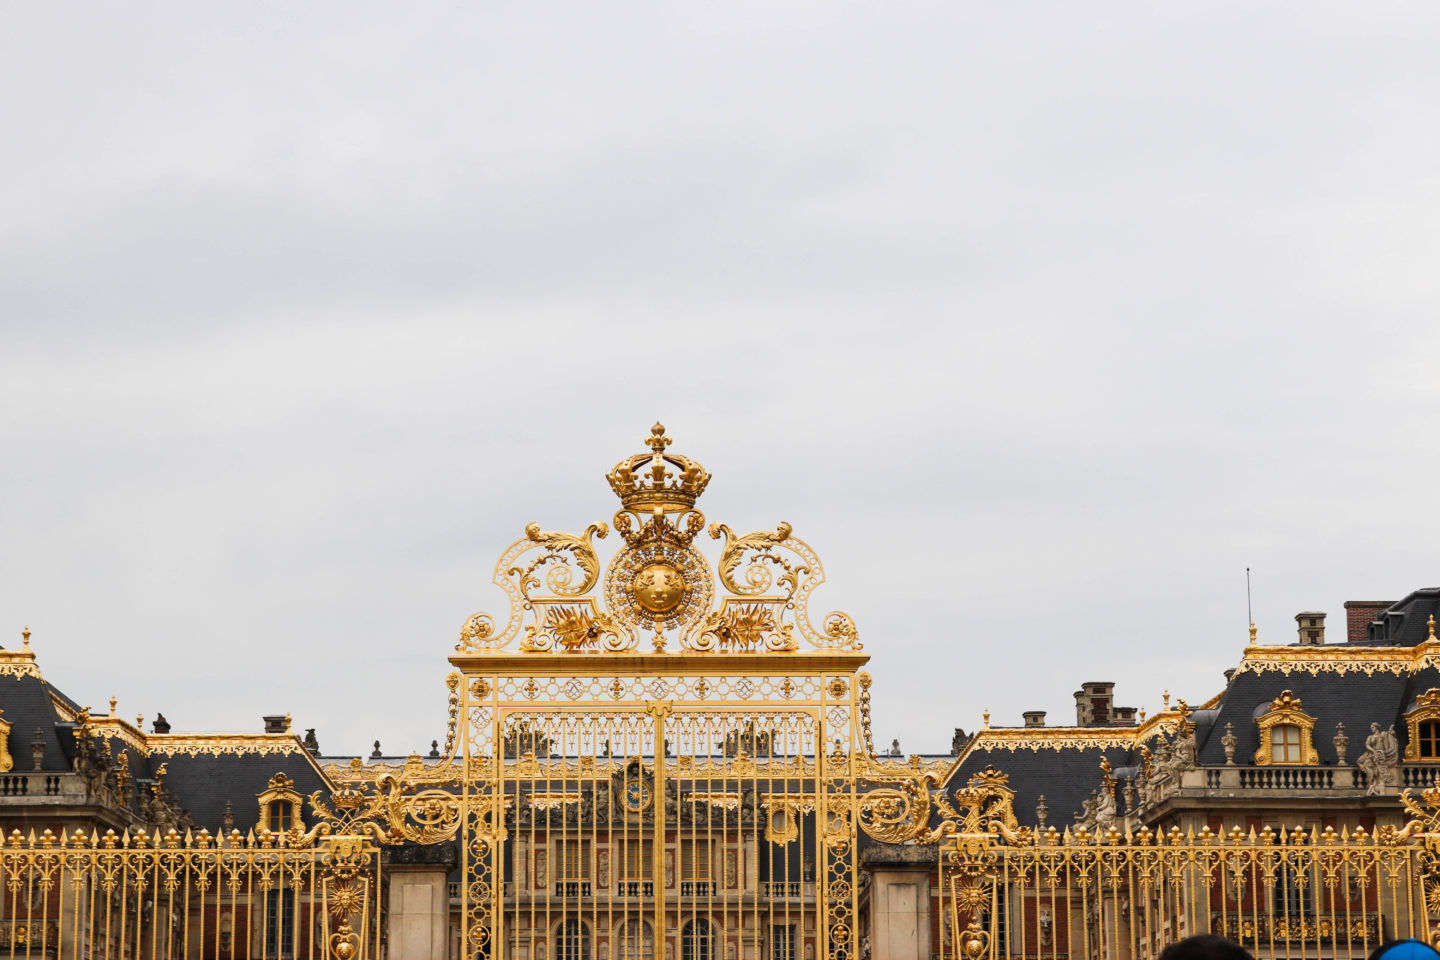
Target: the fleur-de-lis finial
(658, 441)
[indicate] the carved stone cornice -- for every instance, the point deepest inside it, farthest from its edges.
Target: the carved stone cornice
(19, 663)
(218, 744)
(116, 729)
(1334, 658)
(1036, 739)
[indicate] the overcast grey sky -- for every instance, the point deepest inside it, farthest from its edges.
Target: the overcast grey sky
(1039, 321)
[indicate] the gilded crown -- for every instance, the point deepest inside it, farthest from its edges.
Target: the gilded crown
(646, 482)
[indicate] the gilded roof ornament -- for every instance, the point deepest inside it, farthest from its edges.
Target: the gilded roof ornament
(1286, 701)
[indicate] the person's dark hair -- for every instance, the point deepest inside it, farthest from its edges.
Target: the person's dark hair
(1205, 946)
(1411, 949)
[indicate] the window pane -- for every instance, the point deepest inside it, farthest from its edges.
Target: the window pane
(695, 860)
(573, 860)
(574, 941)
(637, 861)
(695, 940)
(637, 941)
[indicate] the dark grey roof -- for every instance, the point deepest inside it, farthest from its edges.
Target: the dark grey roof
(1404, 624)
(28, 707)
(1066, 777)
(1353, 698)
(202, 784)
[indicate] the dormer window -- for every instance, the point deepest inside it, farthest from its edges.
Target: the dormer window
(280, 805)
(1427, 736)
(1423, 721)
(1286, 733)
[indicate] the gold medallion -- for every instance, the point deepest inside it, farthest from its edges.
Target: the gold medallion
(658, 587)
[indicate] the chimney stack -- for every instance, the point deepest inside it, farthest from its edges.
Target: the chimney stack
(278, 724)
(1092, 704)
(1312, 626)
(1359, 614)
(1034, 718)
(1124, 717)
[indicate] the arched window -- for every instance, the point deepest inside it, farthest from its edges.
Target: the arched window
(1285, 744)
(574, 941)
(695, 941)
(637, 941)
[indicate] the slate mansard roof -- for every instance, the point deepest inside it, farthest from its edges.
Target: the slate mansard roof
(201, 771)
(1374, 680)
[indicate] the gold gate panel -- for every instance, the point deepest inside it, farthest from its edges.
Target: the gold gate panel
(659, 753)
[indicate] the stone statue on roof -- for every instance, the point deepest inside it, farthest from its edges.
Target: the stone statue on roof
(1104, 810)
(1378, 762)
(1182, 755)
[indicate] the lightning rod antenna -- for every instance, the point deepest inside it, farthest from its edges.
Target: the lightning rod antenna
(1249, 610)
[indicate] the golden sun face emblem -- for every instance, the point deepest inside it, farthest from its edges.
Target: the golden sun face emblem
(658, 587)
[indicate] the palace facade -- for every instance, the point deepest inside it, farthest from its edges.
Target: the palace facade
(657, 756)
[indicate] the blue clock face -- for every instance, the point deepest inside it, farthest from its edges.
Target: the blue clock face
(637, 795)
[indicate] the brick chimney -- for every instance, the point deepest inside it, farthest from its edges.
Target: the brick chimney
(1312, 626)
(1092, 704)
(1034, 718)
(1359, 614)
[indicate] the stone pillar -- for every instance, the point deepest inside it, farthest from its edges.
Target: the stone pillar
(900, 901)
(419, 905)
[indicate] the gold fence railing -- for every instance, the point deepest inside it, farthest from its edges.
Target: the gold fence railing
(1073, 896)
(1010, 892)
(134, 896)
